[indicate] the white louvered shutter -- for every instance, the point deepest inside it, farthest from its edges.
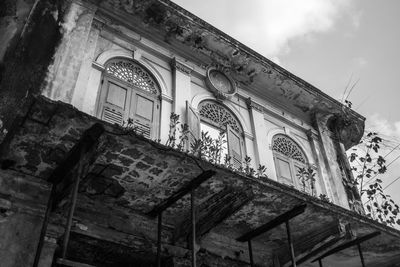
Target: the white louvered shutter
(284, 170)
(193, 122)
(114, 102)
(143, 110)
(235, 147)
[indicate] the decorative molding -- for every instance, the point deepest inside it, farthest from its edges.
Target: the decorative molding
(253, 105)
(98, 66)
(166, 98)
(132, 73)
(97, 24)
(219, 115)
(177, 65)
(220, 84)
(249, 136)
(288, 147)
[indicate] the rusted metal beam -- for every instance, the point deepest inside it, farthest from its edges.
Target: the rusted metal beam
(71, 211)
(290, 243)
(361, 255)
(273, 223)
(349, 244)
(193, 219)
(193, 184)
(213, 211)
(85, 144)
(250, 253)
(318, 250)
(87, 141)
(159, 232)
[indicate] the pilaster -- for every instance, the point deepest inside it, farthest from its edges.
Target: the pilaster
(259, 130)
(181, 86)
(329, 154)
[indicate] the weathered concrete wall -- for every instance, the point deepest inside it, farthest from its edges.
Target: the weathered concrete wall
(23, 200)
(130, 176)
(28, 37)
(331, 160)
(64, 71)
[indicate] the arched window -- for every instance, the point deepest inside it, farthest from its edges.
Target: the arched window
(215, 119)
(289, 158)
(129, 91)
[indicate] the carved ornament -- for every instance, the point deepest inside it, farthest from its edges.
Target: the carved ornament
(181, 67)
(253, 105)
(220, 84)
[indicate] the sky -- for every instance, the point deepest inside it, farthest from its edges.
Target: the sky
(350, 49)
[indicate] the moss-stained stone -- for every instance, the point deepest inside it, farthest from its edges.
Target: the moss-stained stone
(121, 188)
(141, 166)
(155, 171)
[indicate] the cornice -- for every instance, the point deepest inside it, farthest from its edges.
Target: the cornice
(180, 66)
(253, 105)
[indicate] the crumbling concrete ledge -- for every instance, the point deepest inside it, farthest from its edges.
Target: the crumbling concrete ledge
(129, 175)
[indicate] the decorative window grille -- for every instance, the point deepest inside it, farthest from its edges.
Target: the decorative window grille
(133, 74)
(288, 148)
(219, 115)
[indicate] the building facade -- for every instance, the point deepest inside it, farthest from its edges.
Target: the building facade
(138, 62)
(111, 70)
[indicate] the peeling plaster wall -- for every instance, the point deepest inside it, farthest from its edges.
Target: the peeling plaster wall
(29, 33)
(330, 158)
(23, 201)
(63, 73)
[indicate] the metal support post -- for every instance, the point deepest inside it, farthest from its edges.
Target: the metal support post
(361, 255)
(250, 253)
(44, 226)
(193, 218)
(74, 196)
(320, 263)
(159, 231)
(292, 256)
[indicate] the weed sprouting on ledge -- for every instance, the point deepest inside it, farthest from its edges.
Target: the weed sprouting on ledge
(215, 151)
(307, 180)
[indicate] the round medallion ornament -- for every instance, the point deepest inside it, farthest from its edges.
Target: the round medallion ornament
(222, 86)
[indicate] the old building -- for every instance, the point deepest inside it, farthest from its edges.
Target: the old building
(87, 92)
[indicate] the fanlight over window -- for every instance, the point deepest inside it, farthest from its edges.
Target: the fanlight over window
(133, 74)
(289, 158)
(129, 93)
(216, 118)
(288, 148)
(218, 115)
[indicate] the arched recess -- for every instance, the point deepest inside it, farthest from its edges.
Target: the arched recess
(208, 96)
(289, 158)
(217, 118)
(278, 130)
(129, 93)
(136, 56)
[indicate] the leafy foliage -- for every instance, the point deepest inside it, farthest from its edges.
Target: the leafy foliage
(207, 148)
(367, 164)
(307, 179)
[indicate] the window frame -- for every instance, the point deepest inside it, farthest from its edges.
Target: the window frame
(293, 165)
(132, 91)
(226, 128)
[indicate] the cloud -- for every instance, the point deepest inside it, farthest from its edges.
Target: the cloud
(268, 26)
(356, 19)
(389, 131)
(360, 62)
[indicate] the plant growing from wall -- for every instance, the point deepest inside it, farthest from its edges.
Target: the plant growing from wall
(173, 123)
(307, 179)
(367, 163)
